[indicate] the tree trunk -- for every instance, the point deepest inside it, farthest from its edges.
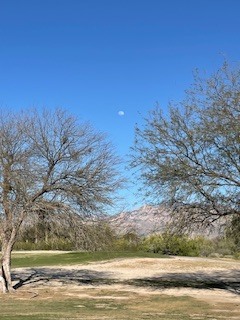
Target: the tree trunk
(6, 266)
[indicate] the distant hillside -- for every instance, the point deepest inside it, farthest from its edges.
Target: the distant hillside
(150, 219)
(144, 221)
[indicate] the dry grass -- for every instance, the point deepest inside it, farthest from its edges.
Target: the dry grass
(127, 289)
(111, 302)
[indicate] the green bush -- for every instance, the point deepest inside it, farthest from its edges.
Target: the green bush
(171, 244)
(127, 242)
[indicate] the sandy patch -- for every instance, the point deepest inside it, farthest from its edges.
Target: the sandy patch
(205, 279)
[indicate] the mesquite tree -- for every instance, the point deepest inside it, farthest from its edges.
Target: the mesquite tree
(50, 163)
(189, 156)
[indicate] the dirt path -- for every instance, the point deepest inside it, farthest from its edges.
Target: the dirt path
(205, 279)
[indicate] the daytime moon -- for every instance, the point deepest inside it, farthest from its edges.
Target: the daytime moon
(121, 113)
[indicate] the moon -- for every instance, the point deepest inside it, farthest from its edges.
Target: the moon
(121, 113)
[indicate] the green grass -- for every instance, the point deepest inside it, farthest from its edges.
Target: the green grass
(73, 258)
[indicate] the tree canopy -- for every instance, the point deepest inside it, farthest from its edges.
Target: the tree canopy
(49, 162)
(189, 156)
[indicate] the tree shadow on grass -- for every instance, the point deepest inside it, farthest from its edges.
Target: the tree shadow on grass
(73, 276)
(227, 280)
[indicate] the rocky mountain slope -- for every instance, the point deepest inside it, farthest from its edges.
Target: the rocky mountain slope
(151, 219)
(143, 221)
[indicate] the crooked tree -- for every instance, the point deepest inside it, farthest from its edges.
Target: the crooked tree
(49, 162)
(189, 156)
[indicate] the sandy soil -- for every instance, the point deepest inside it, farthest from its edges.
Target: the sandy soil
(211, 280)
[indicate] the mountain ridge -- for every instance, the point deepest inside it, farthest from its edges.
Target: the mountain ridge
(149, 219)
(145, 220)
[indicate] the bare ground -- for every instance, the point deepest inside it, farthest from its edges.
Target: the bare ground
(209, 280)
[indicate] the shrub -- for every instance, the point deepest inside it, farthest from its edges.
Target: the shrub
(128, 242)
(172, 244)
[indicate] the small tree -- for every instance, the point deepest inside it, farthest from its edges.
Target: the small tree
(50, 163)
(190, 157)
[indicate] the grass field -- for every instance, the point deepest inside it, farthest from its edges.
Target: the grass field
(112, 301)
(50, 258)
(119, 306)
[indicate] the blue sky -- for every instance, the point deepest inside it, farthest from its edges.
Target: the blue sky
(97, 57)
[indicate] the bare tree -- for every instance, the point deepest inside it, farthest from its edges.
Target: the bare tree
(50, 162)
(190, 157)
